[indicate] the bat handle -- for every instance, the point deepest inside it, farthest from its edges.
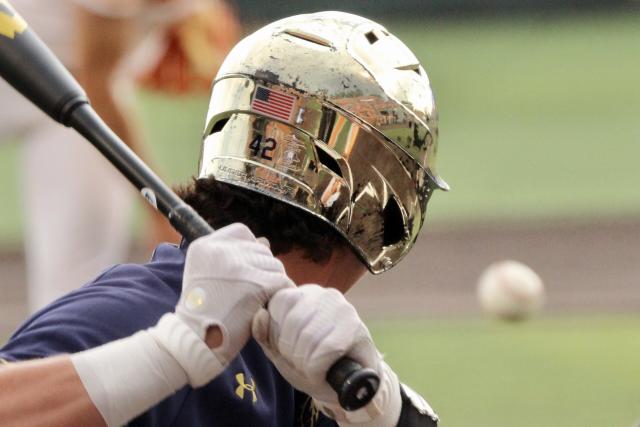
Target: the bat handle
(187, 222)
(354, 384)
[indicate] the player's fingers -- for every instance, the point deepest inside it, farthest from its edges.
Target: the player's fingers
(285, 327)
(331, 335)
(282, 301)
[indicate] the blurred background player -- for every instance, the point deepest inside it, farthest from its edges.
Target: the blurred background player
(77, 209)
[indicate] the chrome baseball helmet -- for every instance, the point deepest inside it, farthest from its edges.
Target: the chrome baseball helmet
(332, 114)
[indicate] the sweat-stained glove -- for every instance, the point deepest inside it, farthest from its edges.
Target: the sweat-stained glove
(305, 331)
(229, 275)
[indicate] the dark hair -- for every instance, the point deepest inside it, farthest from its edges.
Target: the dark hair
(285, 226)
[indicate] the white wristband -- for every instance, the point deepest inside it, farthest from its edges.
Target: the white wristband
(126, 377)
(198, 361)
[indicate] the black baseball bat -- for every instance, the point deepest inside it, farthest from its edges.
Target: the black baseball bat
(33, 70)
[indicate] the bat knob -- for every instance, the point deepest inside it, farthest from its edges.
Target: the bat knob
(354, 384)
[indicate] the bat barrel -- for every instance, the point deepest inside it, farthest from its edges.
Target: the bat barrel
(34, 71)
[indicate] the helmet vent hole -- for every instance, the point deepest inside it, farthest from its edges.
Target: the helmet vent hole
(371, 36)
(329, 162)
(220, 124)
(413, 67)
(309, 37)
(393, 223)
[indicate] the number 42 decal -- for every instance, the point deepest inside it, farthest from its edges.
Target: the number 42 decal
(263, 149)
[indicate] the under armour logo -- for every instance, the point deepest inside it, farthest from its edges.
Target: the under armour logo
(242, 387)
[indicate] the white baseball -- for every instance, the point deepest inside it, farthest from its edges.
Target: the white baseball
(510, 290)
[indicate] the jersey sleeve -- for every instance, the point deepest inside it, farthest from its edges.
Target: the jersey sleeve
(122, 301)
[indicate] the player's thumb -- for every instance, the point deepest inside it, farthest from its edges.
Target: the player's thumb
(263, 333)
(260, 330)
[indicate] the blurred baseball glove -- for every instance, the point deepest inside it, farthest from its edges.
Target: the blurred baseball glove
(193, 48)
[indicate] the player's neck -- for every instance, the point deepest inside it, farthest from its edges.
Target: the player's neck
(342, 270)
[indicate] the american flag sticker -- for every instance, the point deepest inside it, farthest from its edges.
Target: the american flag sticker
(273, 103)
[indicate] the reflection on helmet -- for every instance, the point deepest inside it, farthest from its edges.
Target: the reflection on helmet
(332, 114)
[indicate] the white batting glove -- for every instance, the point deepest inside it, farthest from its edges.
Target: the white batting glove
(305, 331)
(229, 275)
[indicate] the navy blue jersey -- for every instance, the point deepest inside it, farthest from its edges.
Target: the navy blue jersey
(127, 298)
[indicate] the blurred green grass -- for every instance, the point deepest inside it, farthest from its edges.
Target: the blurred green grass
(10, 207)
(569, 372)
(539, 119)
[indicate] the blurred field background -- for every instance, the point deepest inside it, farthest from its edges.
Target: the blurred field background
(540, 140)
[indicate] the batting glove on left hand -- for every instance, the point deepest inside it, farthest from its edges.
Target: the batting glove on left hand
(229, 275)
(305, 331)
